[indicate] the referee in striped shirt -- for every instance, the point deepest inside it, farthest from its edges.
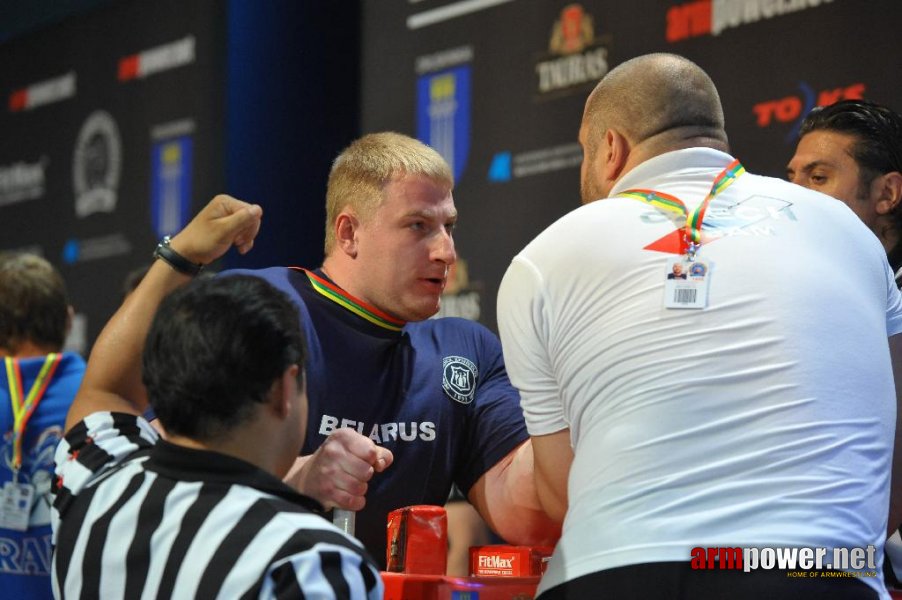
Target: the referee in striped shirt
(203, 514)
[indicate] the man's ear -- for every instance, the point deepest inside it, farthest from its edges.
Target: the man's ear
(617, 153)
(282, 392)
(346, 226)
(889, 193)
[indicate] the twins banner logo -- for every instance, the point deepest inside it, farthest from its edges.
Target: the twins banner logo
(443, 115)
(97, 165)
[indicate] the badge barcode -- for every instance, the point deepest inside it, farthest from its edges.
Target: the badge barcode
(684, 296)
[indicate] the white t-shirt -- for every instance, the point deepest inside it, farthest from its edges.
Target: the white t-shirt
(764, 419)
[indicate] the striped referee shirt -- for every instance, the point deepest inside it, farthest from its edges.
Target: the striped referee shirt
(137, 517)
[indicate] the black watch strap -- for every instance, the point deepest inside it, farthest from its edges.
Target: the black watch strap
(175, 260)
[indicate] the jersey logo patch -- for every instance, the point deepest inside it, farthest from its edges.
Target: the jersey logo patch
(459, 378)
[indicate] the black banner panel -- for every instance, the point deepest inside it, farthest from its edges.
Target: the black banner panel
(112, 136)
(498, 88)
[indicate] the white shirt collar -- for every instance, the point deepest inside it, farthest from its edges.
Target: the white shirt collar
(670, 163)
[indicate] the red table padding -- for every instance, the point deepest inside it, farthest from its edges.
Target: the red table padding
(401, 586)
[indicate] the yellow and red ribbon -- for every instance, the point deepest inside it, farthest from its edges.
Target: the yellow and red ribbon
(24, 405)
(353, 304)
(693, 221)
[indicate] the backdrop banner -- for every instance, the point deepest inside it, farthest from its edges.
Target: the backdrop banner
(112, 138)
(498, 87)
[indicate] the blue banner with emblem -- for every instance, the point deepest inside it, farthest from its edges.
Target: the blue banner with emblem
(170, 185)
(443, 115)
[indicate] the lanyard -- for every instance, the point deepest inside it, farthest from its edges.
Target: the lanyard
(23, 408)
(355, 305)
(692, 230)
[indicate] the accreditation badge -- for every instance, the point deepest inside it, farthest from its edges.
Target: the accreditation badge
(15, 505)
(687, 281)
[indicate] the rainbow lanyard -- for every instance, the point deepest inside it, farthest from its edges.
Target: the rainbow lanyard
(692, 231)
(24, 408)
(355, 305)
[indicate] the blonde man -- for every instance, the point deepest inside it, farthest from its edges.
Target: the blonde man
(401, 407)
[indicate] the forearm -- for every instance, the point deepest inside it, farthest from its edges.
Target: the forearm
(507, 498)
(553, 500)
(297, 475)
(113, 378)
(895, 505)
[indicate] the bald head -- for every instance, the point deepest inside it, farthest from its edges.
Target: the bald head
(661, 100)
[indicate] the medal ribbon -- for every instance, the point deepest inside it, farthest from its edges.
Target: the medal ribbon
(355, 305)
(24, 408)
(692, 236)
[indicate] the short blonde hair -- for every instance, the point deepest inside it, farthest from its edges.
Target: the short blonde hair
(364, 168)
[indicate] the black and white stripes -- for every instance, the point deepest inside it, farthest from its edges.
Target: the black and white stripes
(163, 521)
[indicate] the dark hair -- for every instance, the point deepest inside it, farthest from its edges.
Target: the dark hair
(33, 303)
(877, 129)
(878, 138)
(214, 349)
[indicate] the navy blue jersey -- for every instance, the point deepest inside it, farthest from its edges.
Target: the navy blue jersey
(434, 392)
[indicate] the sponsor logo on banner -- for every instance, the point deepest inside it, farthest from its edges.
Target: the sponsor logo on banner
(794, 107)
(157, 59)
(43, 92)
(506, 166)
(97, 248)
(461, 298)
(443, 105)
(459, 378)
(576, 57)
(711, 17)
(97, 165)
(170, 182)
(22, 181)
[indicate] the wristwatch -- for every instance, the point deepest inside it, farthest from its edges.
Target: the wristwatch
(175, 260)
